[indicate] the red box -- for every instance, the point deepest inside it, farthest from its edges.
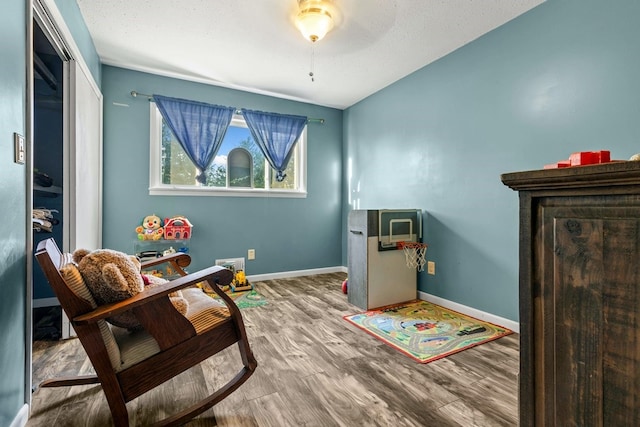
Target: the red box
(560, 164)
(583, 158)
(590, 157)
(604, 156)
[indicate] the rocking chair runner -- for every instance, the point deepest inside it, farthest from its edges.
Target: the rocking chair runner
(130, 364)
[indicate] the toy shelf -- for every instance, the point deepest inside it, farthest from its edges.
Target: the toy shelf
(148, 249)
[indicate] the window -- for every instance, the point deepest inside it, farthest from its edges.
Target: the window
(239, 168)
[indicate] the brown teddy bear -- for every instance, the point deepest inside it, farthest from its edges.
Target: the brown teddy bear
(114, 276)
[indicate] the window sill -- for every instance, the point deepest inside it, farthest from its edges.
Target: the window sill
(248, 192)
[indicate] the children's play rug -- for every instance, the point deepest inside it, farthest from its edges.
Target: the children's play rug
(425, 331)
(246, 299)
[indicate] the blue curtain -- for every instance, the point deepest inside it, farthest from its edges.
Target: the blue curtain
(276, 135)
(199, 128)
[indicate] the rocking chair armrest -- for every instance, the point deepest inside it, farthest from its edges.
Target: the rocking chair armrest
(181, 259)
(213, 275)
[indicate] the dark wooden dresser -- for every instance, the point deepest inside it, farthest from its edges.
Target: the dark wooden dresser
(579, 295)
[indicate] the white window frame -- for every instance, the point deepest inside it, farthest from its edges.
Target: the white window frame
(157, 188)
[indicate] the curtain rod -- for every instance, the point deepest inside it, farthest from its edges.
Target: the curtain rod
(150, 97)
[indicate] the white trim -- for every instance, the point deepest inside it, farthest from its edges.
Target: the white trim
(470, 311)
(297, 273)
(209, 191)
(155, 147)
(84, 184)
(21, 417)
(29, 133)
(301, 162)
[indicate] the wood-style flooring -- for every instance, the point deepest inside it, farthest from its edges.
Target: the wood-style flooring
(315, 369)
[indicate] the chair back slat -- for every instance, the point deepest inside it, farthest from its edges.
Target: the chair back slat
(97, 338)
(51, 260)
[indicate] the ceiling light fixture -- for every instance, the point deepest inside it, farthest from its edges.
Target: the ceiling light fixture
(315, 18)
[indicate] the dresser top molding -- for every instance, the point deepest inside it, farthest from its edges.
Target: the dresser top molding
(613, 174)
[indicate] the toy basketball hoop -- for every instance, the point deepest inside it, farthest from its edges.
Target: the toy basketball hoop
(415, 254)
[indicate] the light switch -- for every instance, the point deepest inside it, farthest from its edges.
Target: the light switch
(18, 143)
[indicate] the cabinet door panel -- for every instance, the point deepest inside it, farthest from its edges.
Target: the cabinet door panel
(578, 265)
(586, 333)
(621, 320)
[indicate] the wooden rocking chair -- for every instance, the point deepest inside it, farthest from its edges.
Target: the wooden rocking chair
(130, 364)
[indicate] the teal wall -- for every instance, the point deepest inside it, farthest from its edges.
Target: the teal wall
(287, 233)
(559, 79)
(13, 243)
(12, 210)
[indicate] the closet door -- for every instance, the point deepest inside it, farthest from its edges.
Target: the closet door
(83, 161)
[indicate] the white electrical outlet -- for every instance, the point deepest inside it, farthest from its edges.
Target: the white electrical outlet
(251, 254)
(431, 267)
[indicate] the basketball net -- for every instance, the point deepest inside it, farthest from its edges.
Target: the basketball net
(415, 254)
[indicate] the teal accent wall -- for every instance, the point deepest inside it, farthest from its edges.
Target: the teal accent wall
(75, 22)
(561, 78)
(288, 234)
(13, 180)
(12, 210)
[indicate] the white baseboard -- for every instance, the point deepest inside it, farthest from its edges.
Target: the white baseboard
(48, 302)
(297, 273)
(21, 417)
(470, 311)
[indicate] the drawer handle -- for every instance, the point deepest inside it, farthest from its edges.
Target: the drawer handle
(356, 231)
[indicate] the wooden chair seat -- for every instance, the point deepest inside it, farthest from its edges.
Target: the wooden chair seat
(128, 364)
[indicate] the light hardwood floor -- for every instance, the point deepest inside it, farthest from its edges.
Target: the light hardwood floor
(315, 369)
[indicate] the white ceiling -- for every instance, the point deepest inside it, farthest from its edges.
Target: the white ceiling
(253, 45)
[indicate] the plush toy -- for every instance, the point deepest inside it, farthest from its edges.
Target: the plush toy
(178, 301)
(176, 298)
(113, 276)
(151, 228)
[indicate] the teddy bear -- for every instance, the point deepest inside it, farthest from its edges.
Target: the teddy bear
(151, 228)
(113, 276)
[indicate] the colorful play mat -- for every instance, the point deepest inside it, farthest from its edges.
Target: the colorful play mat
(425, 331)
